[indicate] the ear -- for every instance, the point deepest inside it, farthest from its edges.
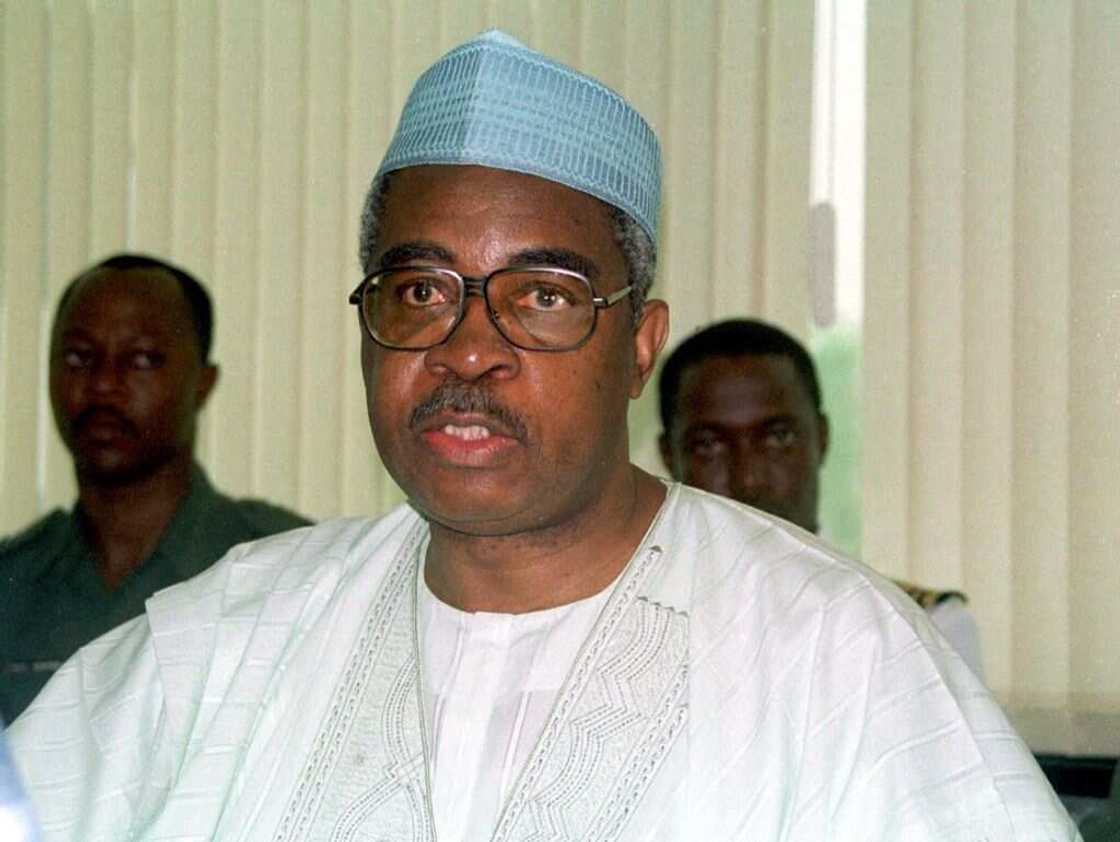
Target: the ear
(649, 339)
(823, 433)
(206, 380)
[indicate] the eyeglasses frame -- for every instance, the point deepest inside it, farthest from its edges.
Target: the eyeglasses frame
(478, 286)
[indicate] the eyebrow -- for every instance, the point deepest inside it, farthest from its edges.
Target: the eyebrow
(426, 250)
(417, 250)
(706, 425)
(144, 336)
(560, 258)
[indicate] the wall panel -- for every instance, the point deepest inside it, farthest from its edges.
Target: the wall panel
(326, 268)
(1095, 355)
(936, 374)
(988, 360)
(787, 125)
(283, 153)
(370, 114)
(1040, 490)
(68, 176)
(231, 444)
(112, 183)
(22, 257)
(739, 153)
(153, 116)
(193, 115)
(645, 43)
(601, 57)
(991, 366)
(687, 261)
(886, 373)
(515, 16)
(459, 21)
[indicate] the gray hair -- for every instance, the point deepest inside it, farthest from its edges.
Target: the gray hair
(638, 249)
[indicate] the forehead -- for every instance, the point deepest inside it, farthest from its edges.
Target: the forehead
(742, 389)
(147, 299)
(482, 215)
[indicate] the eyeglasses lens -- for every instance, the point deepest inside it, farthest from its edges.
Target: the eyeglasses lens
(412, 308)
(538, 309)
(542, 309)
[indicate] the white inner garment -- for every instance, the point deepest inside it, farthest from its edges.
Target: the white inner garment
(490, 682)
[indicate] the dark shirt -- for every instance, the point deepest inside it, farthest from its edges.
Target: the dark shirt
(53, 601)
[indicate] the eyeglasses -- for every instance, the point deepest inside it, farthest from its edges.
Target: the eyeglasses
(536, 308)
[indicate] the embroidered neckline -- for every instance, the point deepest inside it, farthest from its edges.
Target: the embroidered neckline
(370, 761)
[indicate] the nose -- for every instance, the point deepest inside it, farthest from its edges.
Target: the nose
(748, 474)
(475, 349)
(105, 377)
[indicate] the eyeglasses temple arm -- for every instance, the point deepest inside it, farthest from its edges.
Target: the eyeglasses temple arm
(356, 295)
(613, 298)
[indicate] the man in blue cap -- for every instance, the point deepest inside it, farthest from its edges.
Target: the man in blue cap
(545, 642)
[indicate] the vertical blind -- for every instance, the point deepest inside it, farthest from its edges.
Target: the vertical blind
(238, 139)
(992, 327)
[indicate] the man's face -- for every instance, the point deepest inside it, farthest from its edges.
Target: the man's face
(745, 427)
(126, 380)
(486, 438)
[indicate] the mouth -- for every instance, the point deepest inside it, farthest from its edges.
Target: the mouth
(468, 440)
(101, 425)
(475, 432)
(469, 425)
(466, 426)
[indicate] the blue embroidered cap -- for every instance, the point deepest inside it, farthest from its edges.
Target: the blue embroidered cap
(494, 102)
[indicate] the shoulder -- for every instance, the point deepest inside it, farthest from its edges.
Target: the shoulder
(260, 518)
(948, 611)
(766, 592)
(34, 542)
(767, 564)
(846, 678)
(322, 555)
(269, 518)
(929, 598)
(242, 519)
(98, 724)
(34, 533)
(956, 622)
(262, 598)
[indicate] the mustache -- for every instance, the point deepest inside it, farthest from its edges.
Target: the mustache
(464, 397)
(101, 413)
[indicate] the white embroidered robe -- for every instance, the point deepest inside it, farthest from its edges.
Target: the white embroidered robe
(741, 683)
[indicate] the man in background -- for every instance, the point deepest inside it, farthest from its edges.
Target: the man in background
(742, 417)
(130, 370)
